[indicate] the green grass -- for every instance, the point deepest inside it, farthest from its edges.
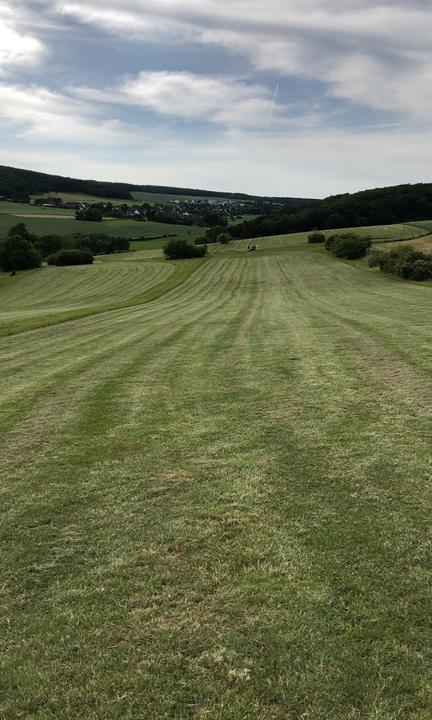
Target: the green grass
(151, 198)
(66, 226)
(217, 504)
(51, 295)
(181, 231)
(83, 197)
(158, 198)
(23, 209)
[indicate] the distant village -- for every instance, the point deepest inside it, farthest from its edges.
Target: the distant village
(193, 211)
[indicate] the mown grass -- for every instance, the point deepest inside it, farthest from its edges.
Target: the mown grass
(217, 504)
(51, 295)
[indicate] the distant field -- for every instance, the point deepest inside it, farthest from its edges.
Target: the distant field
(378, 234)
(120, 228)
(82, 197)
(156, 198)
(151, 198)
(182, 231)
(422, 243)
(384, 233)
(9, 208)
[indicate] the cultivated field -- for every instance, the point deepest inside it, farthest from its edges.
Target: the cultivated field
(217, 504)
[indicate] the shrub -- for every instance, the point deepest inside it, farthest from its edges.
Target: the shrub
(71, 257)
(181, 250)
(406, 262)
(329, 242)
(17, 253)
(20, 230)
(375, 259)
(48, 244)
(316, 237)
(224, 238)
(91, 214)
(348, 245)
(392, 261)
(420, 269)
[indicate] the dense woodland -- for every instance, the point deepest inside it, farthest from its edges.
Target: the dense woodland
(383, 206)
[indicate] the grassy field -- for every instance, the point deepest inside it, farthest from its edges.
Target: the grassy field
(145, 197)
(182, 231)
(25, 210)
(67, 226)
(217, 504)
(422, 243)
(161, 198)
(83, 197)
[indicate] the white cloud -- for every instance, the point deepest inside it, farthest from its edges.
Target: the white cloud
(16, 46)
(221, 100)
(336, 41)
(37, 113)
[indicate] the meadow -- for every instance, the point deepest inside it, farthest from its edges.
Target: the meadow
(215, 496)
(57, 223)
(144, 197)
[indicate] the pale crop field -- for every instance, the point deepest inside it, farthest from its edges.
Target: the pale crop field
(216, 504)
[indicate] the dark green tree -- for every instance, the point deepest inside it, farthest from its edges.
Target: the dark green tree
(17, 253)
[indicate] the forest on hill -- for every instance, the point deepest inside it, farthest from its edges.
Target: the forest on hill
(390, 205)
(19, 184)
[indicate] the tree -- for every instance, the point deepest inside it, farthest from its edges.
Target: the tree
(71, 257)
(91, 214)
(181, 250)
(224, 238)
(17, 253)
(316, 237)
(348, 245)
(20, 230)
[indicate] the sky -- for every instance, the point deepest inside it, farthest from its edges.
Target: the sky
(300, 98)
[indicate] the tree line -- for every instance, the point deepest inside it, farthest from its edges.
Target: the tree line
(22, 250)
(384, 206)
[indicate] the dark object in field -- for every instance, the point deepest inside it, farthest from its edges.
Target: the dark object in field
(252, 248)
(12, 274)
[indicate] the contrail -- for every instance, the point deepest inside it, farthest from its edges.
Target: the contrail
(272, 109)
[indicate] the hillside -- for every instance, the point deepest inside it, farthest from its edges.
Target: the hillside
(19, 184)
(401, 203)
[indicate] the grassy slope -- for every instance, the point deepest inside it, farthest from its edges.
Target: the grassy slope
(216, 505)
(50, 295)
